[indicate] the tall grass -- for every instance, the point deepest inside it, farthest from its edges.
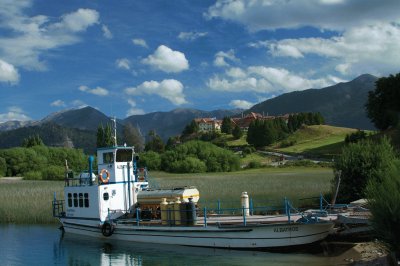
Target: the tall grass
(30, 201)
(267, 186)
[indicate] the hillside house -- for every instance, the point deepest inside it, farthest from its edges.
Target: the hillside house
(208, 124)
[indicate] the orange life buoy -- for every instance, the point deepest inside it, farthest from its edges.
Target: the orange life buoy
(101, 175)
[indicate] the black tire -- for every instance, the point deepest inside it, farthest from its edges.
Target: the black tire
(107, 229)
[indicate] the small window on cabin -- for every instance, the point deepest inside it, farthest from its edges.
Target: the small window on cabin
(106, 196)
(108, 157)
(124, 155)
(69, 200)
(80, 200)
(75, 200)
(86, 197)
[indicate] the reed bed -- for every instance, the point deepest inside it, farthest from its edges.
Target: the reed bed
(266, 187)
(29, 202)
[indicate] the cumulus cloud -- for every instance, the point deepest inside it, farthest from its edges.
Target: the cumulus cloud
(169, 89)
(106, 32)
(99, 91)
(368, 49)
(323, 14)
(167, 60)
(58, 103)
(33, 36)
(134, 110)
(220, 58)
(242, 104)
(263, 79)
(8, 73)
(123, 63)
(191, 35)
(140, 42)
(14, 113)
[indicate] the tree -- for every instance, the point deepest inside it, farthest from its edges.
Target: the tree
(191, 128)
(227, 125)
(155, 143)
(361, 162)
(3, 167)
(104, 136)
(32, 141)
(237, 132)
(132, 137)
(383, 105)
(383, 200)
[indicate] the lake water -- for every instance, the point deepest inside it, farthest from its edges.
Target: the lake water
(46, 245)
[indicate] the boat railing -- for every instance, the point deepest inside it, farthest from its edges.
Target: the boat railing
(58, 208)
(222, 217)
(83, 179)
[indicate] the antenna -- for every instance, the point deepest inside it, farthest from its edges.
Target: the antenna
(114, 119)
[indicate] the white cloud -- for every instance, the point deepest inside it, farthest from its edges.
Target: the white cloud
(140, 42)
(167, 60)
(133, 110)
(123, 63)
(242, 104)
(236, 72)
(79, 20)
(14, 114)
(106, 32)
(191, 35)
(99, 91)
(58, 103)
(33, 37)
(323, 14)
(220, 57)
(8, 73)
(269, 80)
(169, 89)
(79, 104)
(369, 49)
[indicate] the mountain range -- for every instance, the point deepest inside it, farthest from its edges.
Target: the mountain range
(341, 105)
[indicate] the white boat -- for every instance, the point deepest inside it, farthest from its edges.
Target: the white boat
(118, 204)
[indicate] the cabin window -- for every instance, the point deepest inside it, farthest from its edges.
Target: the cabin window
(106, 196)
(80, 200)
(75, 200)
(69, 200)
(124, 155)
(108, 157)
(86, 197)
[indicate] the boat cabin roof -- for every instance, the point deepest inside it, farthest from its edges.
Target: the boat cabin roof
(113, 154)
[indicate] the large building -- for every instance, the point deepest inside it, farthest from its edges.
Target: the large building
(208, 124)
(212, 124)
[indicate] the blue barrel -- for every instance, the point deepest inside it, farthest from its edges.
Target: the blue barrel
(191, 212)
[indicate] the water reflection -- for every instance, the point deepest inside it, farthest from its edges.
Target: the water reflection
(46, 245)
(88, 251)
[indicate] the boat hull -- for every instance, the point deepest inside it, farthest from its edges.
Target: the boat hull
(237, 237)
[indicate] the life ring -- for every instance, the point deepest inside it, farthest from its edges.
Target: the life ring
(107, 229)
(102, 172)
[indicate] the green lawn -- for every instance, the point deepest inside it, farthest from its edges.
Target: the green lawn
(322, 140)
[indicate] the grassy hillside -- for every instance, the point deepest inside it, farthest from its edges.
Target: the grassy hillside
(321, 140)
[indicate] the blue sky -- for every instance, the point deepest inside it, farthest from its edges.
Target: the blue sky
(130, 57)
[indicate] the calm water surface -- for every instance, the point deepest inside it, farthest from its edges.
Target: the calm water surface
(46, 245)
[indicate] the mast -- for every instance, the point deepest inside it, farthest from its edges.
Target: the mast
(115, 130)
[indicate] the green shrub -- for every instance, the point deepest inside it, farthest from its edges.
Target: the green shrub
(383, 199)
(151, 160)
(33, 175)
(214, 158)
(188, 165)
(3, 167)
(54, 173)
(254, 164)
